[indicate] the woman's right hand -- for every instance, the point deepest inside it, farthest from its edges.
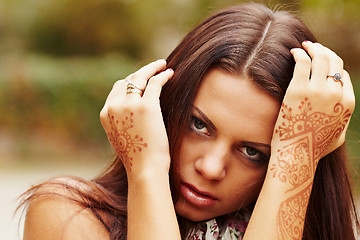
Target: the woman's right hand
(133, 121)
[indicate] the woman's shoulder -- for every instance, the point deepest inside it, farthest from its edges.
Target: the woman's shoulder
(54, 212)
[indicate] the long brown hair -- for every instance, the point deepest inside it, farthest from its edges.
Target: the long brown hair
(252, 40)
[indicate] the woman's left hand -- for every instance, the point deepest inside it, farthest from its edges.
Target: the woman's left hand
(312, 122)
(316, 111)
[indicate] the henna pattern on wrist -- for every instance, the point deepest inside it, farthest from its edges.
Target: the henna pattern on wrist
(123, 143)
(308, 135)
(291, 216)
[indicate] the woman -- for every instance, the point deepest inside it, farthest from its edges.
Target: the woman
(251, 122)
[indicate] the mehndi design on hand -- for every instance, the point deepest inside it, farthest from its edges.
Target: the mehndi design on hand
(308, 135)
(122, 141)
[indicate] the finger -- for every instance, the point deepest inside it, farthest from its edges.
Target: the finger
(140, 77)
(319, 63)
(348, 101)
(116, 90)
(115, 96)
(138, 80)
(116, 93)
(336, 65)
(155, 84)
(302, 66)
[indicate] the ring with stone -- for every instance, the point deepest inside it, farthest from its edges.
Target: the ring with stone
(336, 77)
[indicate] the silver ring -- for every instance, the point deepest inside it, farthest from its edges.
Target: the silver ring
(336, 77)
(133, 85)
(130, 90)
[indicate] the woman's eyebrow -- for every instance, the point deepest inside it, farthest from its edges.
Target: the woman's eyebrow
(256, 144)
(212, 125)
(205, 118)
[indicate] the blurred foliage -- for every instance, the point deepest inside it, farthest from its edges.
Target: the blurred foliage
(64, 95)
(336, 23)
(353, 134)
(60, 58)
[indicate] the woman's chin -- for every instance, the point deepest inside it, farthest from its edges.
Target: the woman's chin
(193, 218)
(193, 215)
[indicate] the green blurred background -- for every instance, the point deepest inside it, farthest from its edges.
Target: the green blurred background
(60, 58)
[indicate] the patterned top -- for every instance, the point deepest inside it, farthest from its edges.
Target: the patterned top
(232, 229)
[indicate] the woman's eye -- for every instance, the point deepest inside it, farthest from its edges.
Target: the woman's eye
(198, 126)
(251, 151)
(253, 154)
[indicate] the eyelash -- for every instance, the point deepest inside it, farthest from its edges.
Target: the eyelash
(241, 150)
(258, 160)
(192, 126)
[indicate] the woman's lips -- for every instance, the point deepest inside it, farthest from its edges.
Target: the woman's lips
(196, 197)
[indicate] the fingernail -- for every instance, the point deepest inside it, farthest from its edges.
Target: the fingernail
(306, 41)
(170, 69)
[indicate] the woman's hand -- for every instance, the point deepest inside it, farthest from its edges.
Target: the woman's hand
(134, 125)
(315, 112)
(133, 120)
(313, 118)
(312, 122)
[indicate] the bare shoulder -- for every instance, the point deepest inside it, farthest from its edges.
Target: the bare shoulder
(54, 214)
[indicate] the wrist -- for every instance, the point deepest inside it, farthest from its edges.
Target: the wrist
(149, 172)
(291, 164)
(149, 175)
(145, 165)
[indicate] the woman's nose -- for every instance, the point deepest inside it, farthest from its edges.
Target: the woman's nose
(212, 164)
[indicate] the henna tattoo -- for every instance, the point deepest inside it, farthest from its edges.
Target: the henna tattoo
(293, 163)
(308, 134)
(121, 140)
(292, 214)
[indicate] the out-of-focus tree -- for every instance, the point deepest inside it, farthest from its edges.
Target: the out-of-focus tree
(91, 27)
(337, 24)
(96, 27)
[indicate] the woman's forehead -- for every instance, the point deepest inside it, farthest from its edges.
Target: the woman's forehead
(236, 104)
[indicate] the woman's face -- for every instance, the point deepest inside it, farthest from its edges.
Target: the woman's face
(224, 153)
